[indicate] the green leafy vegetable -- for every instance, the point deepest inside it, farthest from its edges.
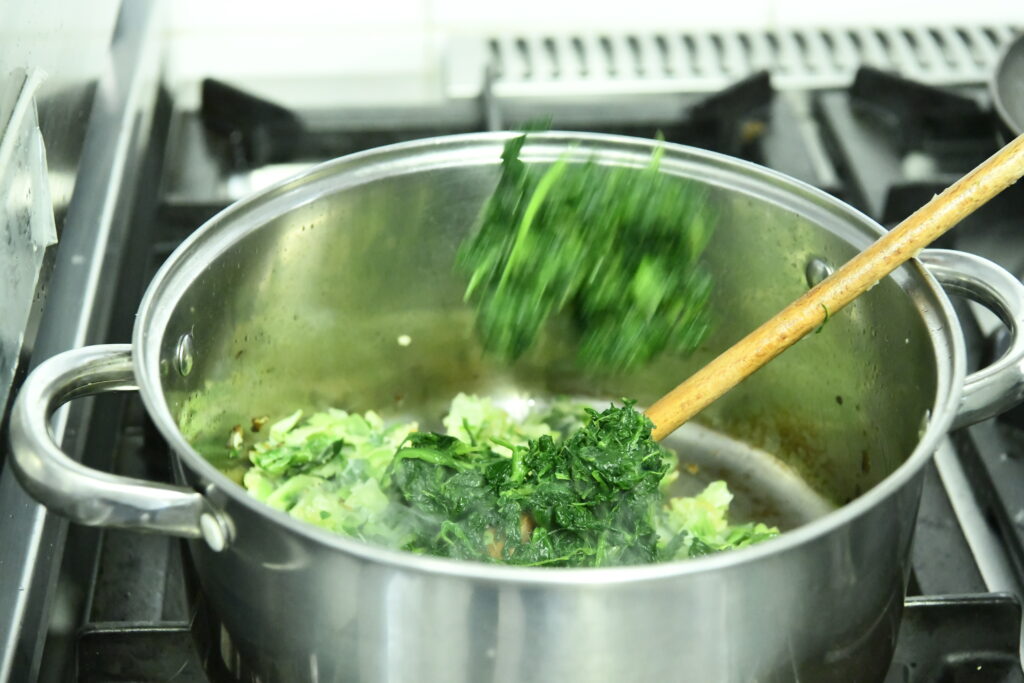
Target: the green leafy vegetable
(698, 525)
(618, 248)
(331, 470)
(563, 486)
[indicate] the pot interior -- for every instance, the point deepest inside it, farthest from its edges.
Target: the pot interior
(305, 296)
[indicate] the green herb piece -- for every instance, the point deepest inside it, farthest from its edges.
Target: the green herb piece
(617, 248)
(590, 500)
(825, 320)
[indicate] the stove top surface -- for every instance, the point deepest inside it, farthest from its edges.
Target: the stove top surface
(126, 606)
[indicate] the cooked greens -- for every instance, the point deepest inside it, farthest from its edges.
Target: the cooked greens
(618, 248)
(565, 486)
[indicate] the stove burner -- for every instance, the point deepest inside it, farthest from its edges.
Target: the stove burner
(958, 638)
(898, 142)
(923, 117)
(731, 121)
(255, 132)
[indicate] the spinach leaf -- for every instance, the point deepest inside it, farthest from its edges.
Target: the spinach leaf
(619, 249)
(564, 486)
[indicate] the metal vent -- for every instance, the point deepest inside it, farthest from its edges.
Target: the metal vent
(697, 62)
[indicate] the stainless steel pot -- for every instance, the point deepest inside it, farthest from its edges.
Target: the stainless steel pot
(296, 298)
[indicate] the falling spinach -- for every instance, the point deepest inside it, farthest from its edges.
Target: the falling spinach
(617, 248)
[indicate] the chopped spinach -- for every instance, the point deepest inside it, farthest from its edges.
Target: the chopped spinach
(617, 248)
(566, 486)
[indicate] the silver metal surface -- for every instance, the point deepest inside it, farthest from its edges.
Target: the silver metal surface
(184, 356)
(610, 64)
(1007, 86)
(51, 58)
(295, 299)
(999, 386)
(78, 493)
(94, 114)
(68, 47)
(26, 217)
(817, 270)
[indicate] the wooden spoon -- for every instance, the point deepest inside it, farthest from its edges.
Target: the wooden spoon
(827, 298)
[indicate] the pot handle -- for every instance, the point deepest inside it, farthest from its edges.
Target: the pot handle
(85, 495)
(999, 386)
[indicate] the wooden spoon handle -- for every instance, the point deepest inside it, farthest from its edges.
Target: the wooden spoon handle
(858, 275)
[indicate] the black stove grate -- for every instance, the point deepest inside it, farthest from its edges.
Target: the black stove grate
(956, 639)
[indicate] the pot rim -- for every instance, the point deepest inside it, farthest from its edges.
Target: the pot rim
(226, 227)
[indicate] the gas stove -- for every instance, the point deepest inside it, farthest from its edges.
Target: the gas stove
(82, 604)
